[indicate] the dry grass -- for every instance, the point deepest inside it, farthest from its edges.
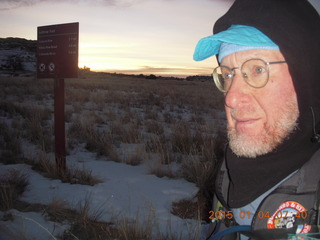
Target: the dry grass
(12, 185)
(96, 140)
(85, 223)
(10, 145)
(73, 175)
(31, 122)
(133, 154)
(36, 130)
(186, 209)
(172, 121)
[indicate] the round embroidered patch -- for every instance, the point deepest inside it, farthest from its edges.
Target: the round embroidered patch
(286, 215)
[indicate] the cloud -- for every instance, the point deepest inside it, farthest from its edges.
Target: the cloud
(14, 4)
(164, 71)
(8, 5)
(223, 1)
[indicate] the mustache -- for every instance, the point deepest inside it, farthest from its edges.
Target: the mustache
(248, 111)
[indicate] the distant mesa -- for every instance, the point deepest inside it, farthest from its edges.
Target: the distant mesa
(17, 57)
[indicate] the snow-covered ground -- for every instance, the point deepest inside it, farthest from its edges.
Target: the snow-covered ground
(126, 191)
(129, 193)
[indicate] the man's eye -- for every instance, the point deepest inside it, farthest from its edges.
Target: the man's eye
(227, 76)
(259, 70)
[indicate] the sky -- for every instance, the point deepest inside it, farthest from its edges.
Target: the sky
(128, 36)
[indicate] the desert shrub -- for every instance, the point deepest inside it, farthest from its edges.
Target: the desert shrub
(8, 109)
(186, 209)
(169, 118)
(150, 113)
(58, 211)
(201, 168)
(36, 129)
(161, 170)
(186, 140)
(133, 154)
(12, 184)
(99, 141)
(129, 133)
(72, 174)
(10, 145)
(162, 147)
(154, 127)
(85, 223)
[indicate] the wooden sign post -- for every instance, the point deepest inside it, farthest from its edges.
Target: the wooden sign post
(57, 57)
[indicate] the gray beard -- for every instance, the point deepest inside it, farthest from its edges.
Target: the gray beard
(272, 136)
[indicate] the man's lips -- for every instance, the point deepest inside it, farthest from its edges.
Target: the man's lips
(246, 120)
(243, 124)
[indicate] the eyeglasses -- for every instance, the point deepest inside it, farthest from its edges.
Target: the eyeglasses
(255, 73)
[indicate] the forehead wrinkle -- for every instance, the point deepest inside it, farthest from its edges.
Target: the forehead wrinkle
(232, 58)
(242, 56)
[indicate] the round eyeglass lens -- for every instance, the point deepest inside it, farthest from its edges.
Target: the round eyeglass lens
(255, 72)
(222, 77)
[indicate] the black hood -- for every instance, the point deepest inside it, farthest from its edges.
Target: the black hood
(294, 25)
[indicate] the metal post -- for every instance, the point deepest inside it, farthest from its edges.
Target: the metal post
(59, 124)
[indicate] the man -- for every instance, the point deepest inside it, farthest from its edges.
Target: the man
(269, 73)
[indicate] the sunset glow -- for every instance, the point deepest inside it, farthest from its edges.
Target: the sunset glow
(131, 36)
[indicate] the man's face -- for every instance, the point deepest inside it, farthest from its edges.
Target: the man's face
(259, 119)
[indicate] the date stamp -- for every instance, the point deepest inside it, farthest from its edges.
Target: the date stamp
(248, 214)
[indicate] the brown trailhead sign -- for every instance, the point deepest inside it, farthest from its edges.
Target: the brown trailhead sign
(57, 51)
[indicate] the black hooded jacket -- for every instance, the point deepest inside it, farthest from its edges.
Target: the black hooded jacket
(294, 25)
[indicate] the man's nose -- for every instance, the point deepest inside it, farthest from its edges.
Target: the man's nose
(238, 92)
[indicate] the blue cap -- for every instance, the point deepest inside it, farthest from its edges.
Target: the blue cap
(237, 37)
